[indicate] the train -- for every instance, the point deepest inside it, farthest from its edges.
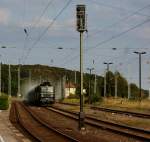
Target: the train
(42, 94)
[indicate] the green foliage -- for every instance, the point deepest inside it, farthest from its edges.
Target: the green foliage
(96, 98)
(122, 86)
(56, 73)
(66, 100)
(4, 102)
(134, 92)
(72, 96)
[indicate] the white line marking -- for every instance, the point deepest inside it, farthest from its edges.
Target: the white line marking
(1, 139)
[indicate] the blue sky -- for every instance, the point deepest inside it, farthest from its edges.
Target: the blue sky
(121, 24)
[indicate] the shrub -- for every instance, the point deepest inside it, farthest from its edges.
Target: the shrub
(96, 98)
(72, 96)
(4, 102)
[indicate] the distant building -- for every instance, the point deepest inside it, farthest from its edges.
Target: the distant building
(70, 88)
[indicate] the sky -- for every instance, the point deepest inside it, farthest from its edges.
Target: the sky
(50, 24)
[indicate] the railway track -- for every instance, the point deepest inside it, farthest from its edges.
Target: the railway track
(125, 130)
(129, 113)
(37, 128)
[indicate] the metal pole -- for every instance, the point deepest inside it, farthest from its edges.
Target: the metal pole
(149, 94)
(9, 80)
(81, 71)
(105, 83)
(81, 113)
(69, 83)
(140, 90)
(90, 69)
(107, 67)
(29, 78)
(140, 76)
(90, 88)
(0, 78)
(116, 85)
(40, 79)
(19, 80)
(75, 77)
(95, 84)
(129, 90)
(107, 79)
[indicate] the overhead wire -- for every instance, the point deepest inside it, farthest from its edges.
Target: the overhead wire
(49, 26)
(119, 35)
(116, 7)
(23, 23)
(121, 20)
(113, 37)
(35, 24)
(42, 14)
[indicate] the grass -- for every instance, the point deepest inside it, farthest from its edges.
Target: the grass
(125, 103)
(4, 101)
(66, 100)
(119, 103)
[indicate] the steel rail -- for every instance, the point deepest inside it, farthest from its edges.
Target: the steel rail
(129, 113)
(44, 124)
(133, 132)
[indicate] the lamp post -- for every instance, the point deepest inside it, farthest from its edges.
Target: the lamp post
(129, 87)
(140, 92)
(90, 69)
(19, 92)
(0, 78)
(81, 27)
(9, 80)
(9, 74)
(107, 84)
(116, 84)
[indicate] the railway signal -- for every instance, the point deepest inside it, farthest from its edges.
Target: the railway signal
(81, 27)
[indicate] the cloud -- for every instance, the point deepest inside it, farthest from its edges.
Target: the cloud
(4, 16)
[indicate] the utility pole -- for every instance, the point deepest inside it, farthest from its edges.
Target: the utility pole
(40, 79)
(116, 85)
(140, 91)
(95, 84)
(19, 93)
(81, 27)
(107, 80)
(90, 92)
(105, 83)
(90, 69)
(75, 77)
(149, 94)
(129, 89)
(29, 78)
(0, 78)
(9, 80)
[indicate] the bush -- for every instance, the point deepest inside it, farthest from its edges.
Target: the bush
(72, 96)
(4, 102)
(96, 98)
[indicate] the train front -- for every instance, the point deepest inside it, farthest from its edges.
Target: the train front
(47, 93)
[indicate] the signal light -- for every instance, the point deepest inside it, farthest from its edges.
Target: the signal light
(81, 18)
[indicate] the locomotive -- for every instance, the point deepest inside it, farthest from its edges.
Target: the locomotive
(42, 94)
